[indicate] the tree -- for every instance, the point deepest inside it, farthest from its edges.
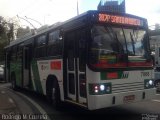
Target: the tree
(22, 31)
(9, 31)
(3, 37)
(6, 35)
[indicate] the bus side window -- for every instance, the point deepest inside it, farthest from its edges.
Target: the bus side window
(19, 52)
(8, 59)
(54, 44)
(13, 53)
(40, 50)
(27, 58)
(71, 50)
(81, 36)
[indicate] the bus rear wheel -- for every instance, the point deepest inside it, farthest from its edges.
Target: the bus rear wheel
(53, 95)
(56, 96)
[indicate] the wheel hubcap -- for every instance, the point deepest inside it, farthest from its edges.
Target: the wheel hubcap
(53, 93)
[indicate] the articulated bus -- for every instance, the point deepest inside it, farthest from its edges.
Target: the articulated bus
(95, 60)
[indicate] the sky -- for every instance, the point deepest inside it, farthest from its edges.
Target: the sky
(52, 11)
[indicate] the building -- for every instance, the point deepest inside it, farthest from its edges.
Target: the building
(112, 6)
(154, 38)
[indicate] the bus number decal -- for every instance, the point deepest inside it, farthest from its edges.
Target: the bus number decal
(56, 65)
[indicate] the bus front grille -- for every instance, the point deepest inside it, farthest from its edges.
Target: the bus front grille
(125, 87)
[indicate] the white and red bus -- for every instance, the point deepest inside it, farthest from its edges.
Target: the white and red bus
(95, 60)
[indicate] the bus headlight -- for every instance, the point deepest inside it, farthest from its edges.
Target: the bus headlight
(102, 87)
(148, 84)
(99, 89)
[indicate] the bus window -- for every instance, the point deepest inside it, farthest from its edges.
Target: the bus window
(114, 47)
(13, 53)
(108, 48)
(54, 44)
(40, 50)
(81, 36)
(71, 50)
(19, 52)
(8, 58)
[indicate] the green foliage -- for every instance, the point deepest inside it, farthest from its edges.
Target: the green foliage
(5, 30)
(8, 30)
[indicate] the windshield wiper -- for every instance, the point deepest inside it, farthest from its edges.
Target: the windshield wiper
(132, 43)
(125, 40)
(120, 46)
(114, 37)
(109, 32)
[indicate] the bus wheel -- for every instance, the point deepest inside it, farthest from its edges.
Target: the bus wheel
(55, 96)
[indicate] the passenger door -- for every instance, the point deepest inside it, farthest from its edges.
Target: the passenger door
(75, 57)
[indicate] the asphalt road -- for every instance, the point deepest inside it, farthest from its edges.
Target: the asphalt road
(29, 102)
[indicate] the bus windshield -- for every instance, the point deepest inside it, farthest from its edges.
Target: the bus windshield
(114, 47)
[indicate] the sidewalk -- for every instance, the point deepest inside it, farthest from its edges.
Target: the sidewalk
(7, 104)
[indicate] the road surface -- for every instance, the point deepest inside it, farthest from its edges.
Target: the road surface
(30, 103)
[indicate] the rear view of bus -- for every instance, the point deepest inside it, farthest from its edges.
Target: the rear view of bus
(119, 63)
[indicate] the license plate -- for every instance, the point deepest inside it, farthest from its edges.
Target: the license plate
(129, 98)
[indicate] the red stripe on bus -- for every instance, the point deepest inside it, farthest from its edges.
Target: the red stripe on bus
(56, 65)
(140, 64)
(112, 75)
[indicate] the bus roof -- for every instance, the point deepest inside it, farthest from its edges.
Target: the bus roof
(45, 28)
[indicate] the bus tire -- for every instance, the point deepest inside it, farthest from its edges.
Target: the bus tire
(53, 94)
(56, 102)
(13, 82)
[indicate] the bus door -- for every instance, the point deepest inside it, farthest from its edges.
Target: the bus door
(26, 65)
(75, 65)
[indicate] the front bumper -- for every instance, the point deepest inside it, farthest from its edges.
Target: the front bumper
(108, 100)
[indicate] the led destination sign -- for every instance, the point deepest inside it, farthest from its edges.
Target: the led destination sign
(120, 20)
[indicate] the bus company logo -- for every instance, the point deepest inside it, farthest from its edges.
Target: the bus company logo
(44, 67)
(125, 75)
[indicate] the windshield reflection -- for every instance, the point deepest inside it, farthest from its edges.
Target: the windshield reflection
(116, 46)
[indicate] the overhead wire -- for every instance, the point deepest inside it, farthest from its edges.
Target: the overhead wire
(27, 10)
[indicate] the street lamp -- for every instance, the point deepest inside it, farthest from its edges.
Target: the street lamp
(77, 8)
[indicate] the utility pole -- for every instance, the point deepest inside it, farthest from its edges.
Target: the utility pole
(77, 8)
